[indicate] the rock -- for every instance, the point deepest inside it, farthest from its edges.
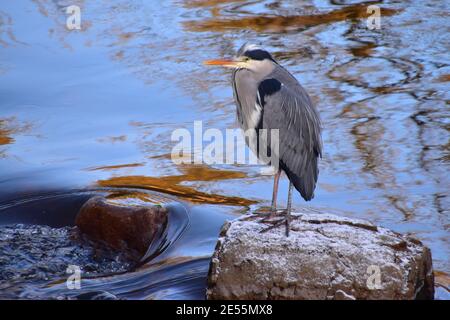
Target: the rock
(122, 226)
(325, 257)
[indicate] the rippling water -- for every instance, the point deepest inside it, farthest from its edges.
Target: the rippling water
(94, 109)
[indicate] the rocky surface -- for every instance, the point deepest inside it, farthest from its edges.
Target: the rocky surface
(130, 228)
(325, 257)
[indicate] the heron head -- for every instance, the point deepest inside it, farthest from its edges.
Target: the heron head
(249, 56)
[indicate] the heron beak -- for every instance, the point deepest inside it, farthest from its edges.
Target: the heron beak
(223, 63)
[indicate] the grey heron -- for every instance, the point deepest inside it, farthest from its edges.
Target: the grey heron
(267, 96)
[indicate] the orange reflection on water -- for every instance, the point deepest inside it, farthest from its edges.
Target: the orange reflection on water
(5, 133)
(444, 78)
(174, 184)
(363, 51)
(8, 128)
(282, 23)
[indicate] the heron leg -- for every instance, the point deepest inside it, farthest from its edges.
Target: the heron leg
(270, 214)
(276, 179)
(288, 210)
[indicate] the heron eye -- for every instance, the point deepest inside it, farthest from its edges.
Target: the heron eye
(246, 59)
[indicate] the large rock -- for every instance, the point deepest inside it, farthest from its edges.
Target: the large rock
(325, 257)
(123, 226)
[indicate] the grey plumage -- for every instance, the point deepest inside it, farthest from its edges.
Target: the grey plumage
(271, 98)
(268, 97)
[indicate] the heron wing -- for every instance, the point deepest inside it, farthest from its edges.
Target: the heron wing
(288, 108)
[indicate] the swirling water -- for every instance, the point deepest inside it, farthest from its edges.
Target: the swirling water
(89, 111)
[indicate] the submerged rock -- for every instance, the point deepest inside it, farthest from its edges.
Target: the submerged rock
(325, 257)
(124, 226)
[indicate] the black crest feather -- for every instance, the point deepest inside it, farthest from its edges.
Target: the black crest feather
(258, 54)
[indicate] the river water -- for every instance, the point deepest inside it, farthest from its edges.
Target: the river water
(92, 111)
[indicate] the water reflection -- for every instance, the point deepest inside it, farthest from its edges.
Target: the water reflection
(265, 23)
(10, 127)
(97, 107)
(177, 185)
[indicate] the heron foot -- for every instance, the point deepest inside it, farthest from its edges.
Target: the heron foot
(282, 219)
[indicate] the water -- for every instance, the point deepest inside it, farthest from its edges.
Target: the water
(86, 111)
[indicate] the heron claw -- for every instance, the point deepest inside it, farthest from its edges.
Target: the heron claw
(282, 214)
(275, 218)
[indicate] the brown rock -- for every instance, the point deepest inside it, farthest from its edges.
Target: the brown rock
(122, 226)
(325, 257)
